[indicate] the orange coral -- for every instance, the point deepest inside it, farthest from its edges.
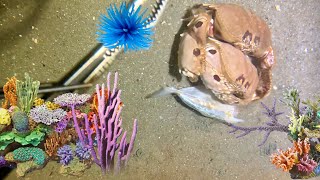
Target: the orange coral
(54, 141)
(94, 105)
(285, 159)
(10, 93)
(302, 147)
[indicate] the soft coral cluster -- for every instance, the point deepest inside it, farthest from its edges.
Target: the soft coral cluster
(295, 157)
(285, 159)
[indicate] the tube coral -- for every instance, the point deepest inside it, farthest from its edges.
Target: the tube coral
(27, 92)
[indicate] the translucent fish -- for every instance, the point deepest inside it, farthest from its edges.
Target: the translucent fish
(201, 100)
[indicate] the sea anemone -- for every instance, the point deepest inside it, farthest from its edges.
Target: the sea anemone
(124, 27)
(65, 154)
(82, 152)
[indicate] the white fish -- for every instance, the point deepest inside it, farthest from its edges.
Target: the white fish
(201, 100)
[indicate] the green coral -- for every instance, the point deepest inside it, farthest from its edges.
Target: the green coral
(296, 125)
(27, 92)
(24, 154)
(6, 138)
(34, 138)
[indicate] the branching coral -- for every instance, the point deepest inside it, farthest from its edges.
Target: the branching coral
(301, 147)
(272, 125)
(55, 141)
(10, 93)
(306, 165)
(27, 92)
(285, 159)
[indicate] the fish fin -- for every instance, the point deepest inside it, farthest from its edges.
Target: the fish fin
(163, 92)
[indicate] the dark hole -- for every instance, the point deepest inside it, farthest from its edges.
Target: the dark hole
(199, 24)
(196, 52)
(212, 51)
(217, 78)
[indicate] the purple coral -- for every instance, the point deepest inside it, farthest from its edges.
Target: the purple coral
(41, 114)
(71, 99)
(65, 154)
(306, 165)
(3, 162)
(108, 129)
(272, 125)
(82, 152)
(61, 125)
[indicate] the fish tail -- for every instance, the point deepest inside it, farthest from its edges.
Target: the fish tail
(234, 120)
(163, 92)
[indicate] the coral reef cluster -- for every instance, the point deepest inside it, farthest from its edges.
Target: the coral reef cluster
(34, 131)
(302, 160)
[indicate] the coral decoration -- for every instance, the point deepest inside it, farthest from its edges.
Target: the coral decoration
(55, 141)
(10, 93)
(94, 105)
(306, 165)
(285, 159)
(51, 105)
(5, 118)
(65, 154)
(38, 101)
(24, 154)
(302, 147)
(108, 129)
(82, 152)
(42, 114)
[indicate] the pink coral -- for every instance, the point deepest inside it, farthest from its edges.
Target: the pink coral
(306, 165)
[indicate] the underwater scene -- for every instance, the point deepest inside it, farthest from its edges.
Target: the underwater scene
(159, 89)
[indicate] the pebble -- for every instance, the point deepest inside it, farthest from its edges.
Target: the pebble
(278, 8)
